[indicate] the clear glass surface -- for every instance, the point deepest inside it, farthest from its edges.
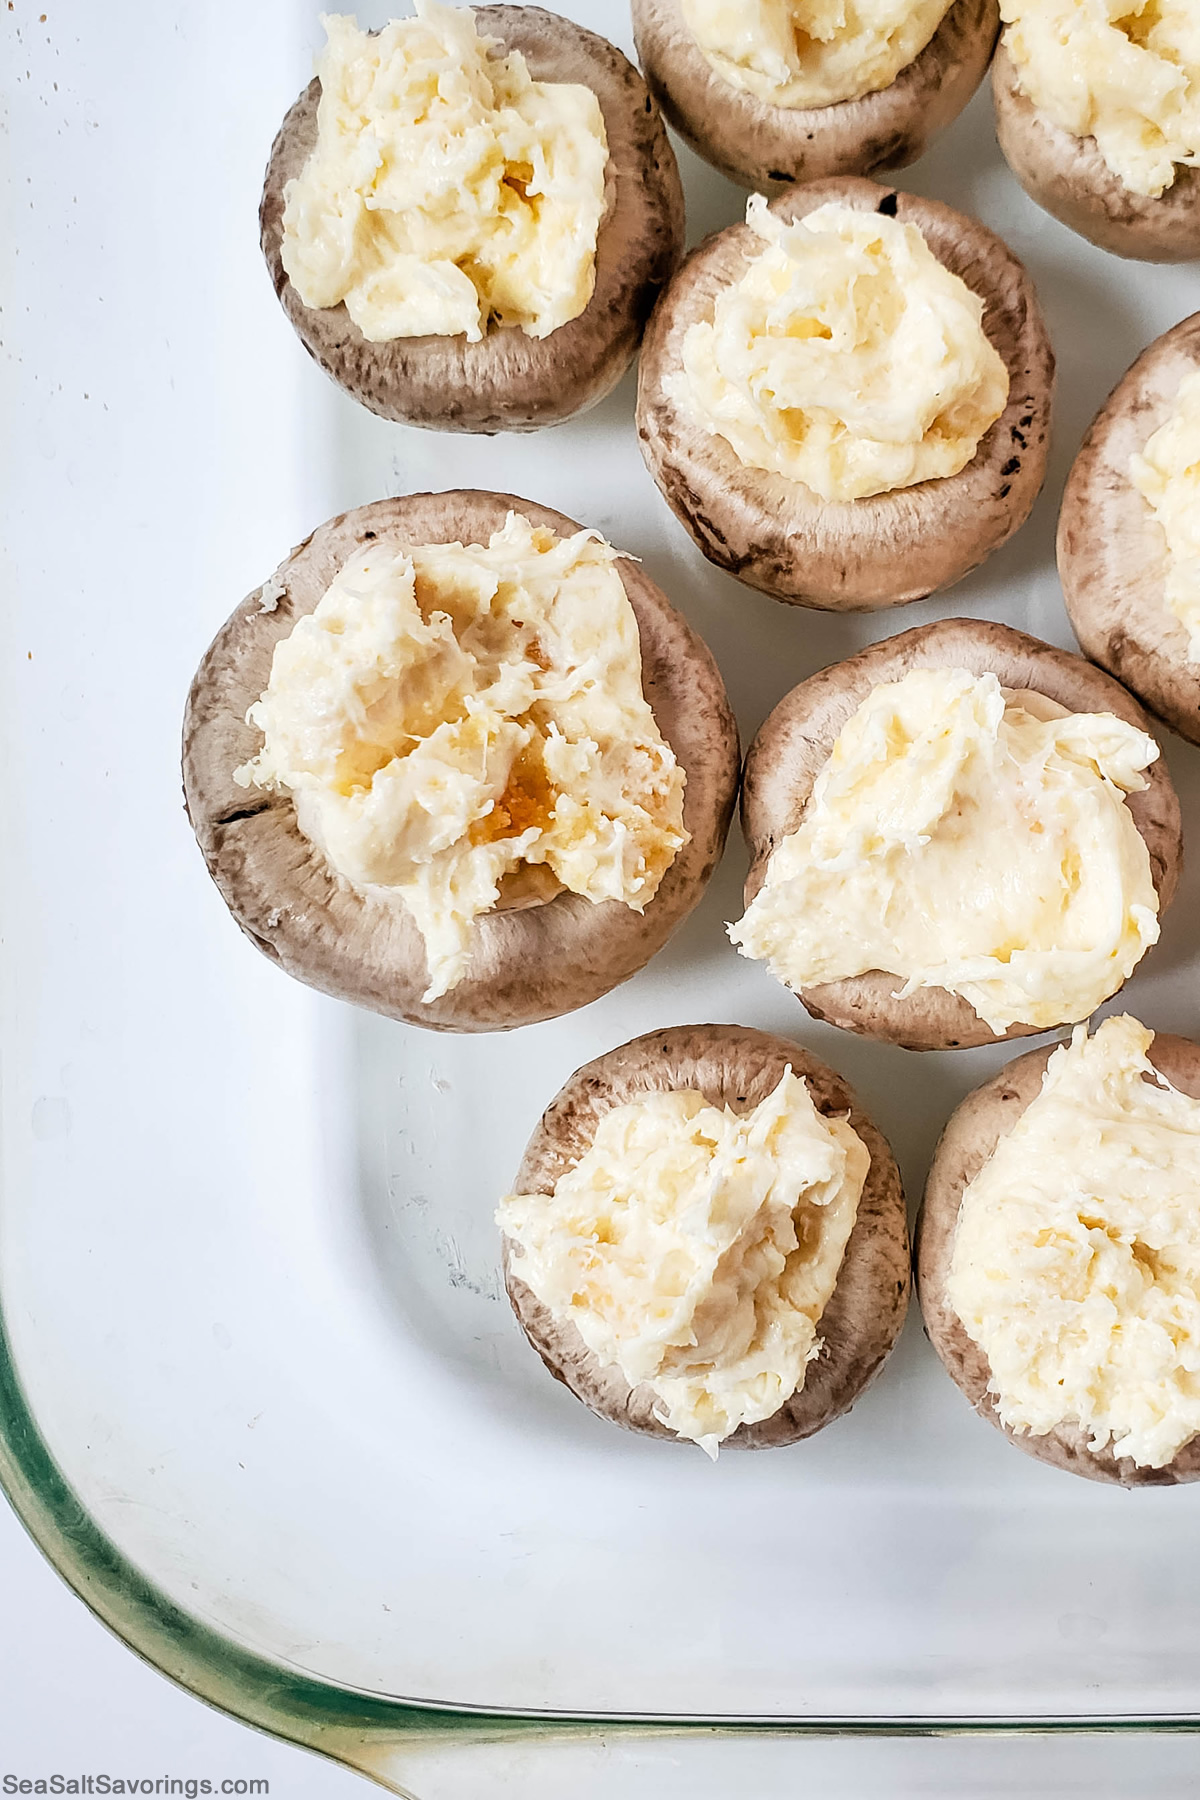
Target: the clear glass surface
(263, 1400)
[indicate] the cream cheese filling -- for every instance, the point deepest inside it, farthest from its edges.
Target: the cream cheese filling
(1125, 72)
(960, 837)
(846, 357)
(695, 1249)
(451, 715)
(447, 191)
(1167, 473)
(800, 53)
(1076, 1259)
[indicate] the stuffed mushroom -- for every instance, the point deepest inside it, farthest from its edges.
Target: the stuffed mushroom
(846, 401)
(459, 762)
(1129, 531)
(959, 835)
(787, 91)
(469, 215)
(1098, 114)
(1058, 1253)
(708, 1240)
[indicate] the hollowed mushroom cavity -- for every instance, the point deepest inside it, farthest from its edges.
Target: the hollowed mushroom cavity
(540, 953)
(769, 147)
(794, 745)
(738, 1068)
(508, 381)
(777, 534)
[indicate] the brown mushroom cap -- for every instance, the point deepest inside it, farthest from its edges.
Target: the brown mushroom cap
(1069, 177)
(1112, 554)
(529, 964)
(794, 745)
(967, 1143)
(770, 147)
(508, 381)
(856, 555)
(731, 1066)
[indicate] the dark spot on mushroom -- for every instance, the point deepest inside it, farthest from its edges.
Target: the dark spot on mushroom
(241, 812)
(780, 175)
(1012, 466)
(1020, 438)
(369, 534)
(1006, 490)
(889, 205)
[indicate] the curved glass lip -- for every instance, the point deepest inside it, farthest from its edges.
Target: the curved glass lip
(344, 1723)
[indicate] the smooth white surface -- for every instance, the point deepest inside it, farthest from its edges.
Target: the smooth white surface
(74, 1701)
(246, 1254)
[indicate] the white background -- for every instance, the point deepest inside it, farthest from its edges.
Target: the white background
(73, 1700)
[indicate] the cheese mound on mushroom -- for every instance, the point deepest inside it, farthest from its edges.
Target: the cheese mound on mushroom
(453, 714)
(966, 838)
(1076, 1261)
(846, 357)
(447, 191)
(797, 53)
(1168, 474)
(695, 1249)
(1125, 72)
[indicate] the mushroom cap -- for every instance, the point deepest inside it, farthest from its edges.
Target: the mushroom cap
(770, 147)
(508, 381)
(1069, 177)
(736, 1067)
(534, 962)
(1112, 556)
(795, 742)
(856, 555)
(967, 1143)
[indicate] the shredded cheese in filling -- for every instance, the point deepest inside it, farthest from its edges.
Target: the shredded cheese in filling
(450, 715)
(960, 837)
(447, 191)
(695, 1249)
(1125, 72)
(798, 53)
(1076, 1260)
(846, 357)
(1167, 473)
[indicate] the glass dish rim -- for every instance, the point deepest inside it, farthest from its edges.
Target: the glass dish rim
(345, 1723)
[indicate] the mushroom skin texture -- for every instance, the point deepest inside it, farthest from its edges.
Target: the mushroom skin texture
(1112, 557)
(858, 555)
(794, 744)
(508, 381)
(734, 1066)
(532, 960)
(966, 1144)
(768, 148)
(1069, 177)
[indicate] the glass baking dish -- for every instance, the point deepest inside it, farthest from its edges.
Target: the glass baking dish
(262, 1400)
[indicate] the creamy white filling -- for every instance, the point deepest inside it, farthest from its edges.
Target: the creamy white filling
(800, 53)
(1076, 1259)
(695, 1249)
(1167, 473)
(961, 839)
(450, 715)
(846, 357)
(1125, 72)
(447, 190)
